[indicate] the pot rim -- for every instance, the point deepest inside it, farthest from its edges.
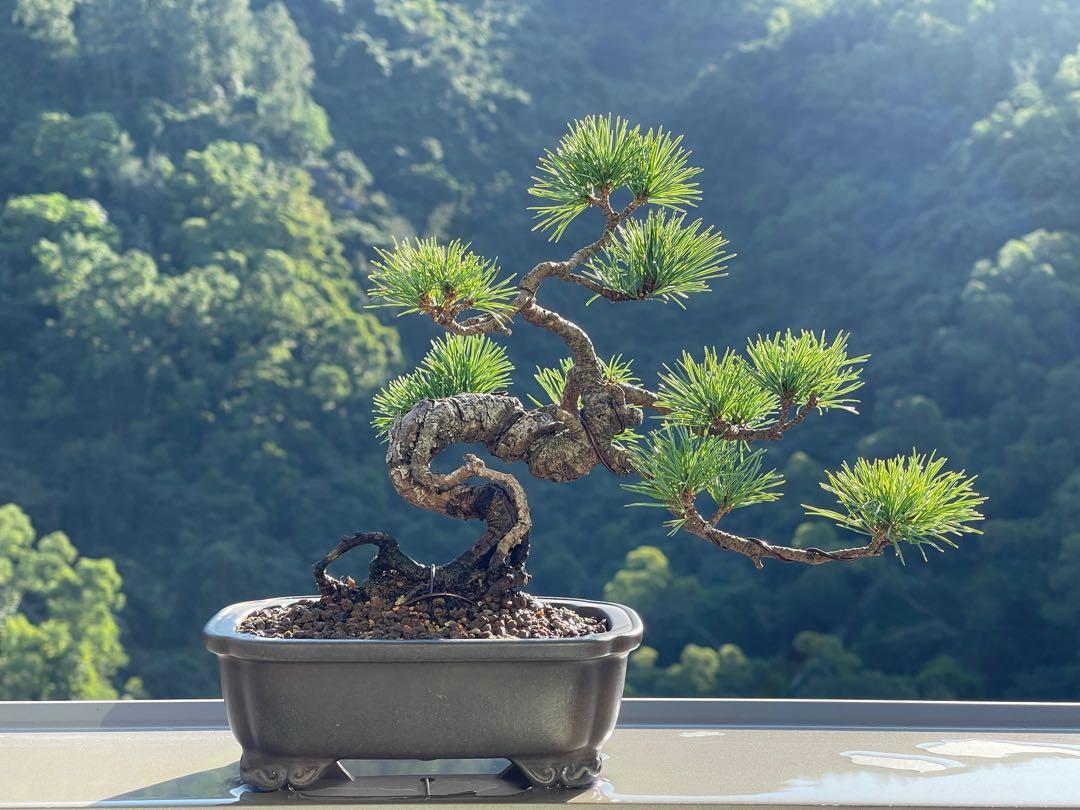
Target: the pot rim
(624, 634)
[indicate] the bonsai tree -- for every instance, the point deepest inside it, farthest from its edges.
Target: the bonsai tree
(700, 460)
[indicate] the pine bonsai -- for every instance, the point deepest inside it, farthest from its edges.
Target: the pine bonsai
(710, 411)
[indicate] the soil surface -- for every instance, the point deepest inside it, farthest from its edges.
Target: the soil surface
(518, 616)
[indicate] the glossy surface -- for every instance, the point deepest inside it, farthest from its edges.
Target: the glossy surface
(740, 767)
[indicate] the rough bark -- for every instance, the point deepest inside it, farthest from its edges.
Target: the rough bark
(757, 549)
(556, 446)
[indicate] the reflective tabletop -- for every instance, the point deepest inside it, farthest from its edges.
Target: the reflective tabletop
(647, 763)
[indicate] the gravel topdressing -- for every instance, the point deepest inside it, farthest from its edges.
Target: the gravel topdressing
(519, 616)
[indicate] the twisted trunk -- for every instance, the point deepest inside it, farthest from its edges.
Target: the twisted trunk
(556, 445)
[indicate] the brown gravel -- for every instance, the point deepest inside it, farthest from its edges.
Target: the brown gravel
(520, 616)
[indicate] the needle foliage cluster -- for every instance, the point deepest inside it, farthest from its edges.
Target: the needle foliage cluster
(719, 387)
(805, 370)
(601, 154)
(455, 364)
(907, 499)
(676, 465)
(661, 257)
(798, 368)
(424, 273)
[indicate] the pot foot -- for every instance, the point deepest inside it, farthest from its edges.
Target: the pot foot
(267, 772)
(577, 770)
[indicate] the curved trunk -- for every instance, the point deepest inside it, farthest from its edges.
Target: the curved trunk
(555, 444)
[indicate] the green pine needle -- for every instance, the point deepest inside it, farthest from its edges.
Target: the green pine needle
(676, 465)
(454, 365)
(719, 388)
(796, 368)
(599, 154)
(740, 481)
(903, 499)
(661, 257)
(661, 176)
(424, 274)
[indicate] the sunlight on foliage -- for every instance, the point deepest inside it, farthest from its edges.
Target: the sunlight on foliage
(720, 387)
(740, 481)
(455, 364)
(596, 152)
(424, 274)
(600, 154)
(795, 368)
(661, 257)
(661, 175)
(676, 465)
(553, 380)
(903, 499)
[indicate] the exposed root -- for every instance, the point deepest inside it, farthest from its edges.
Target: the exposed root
(474, 467)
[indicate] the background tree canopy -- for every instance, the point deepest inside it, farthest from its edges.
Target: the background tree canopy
(192, 194)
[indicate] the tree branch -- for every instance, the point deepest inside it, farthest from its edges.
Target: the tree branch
(773, 432)
(576, 339)
(757, 549)
(605, 292)
(525, 301)
(446, 317)
(644, 398)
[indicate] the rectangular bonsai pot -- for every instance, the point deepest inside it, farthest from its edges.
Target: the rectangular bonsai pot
(296, 706)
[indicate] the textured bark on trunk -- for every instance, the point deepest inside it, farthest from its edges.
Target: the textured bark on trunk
(556, 446)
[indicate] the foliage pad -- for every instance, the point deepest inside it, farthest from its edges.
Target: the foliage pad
(661, 257)
(455, 364)
(796, 368)
(423, 274)
(599, 154)
(676, 465)
(904, 499)
(720, 387)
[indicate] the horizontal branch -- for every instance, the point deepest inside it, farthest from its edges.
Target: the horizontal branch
(609, 293)
(446, 317)
(757, 549)
(644, 398)
(773, 432)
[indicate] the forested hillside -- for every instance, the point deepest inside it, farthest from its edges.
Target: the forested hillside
(192, 191)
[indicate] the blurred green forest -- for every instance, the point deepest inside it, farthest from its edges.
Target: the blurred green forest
(191, 193)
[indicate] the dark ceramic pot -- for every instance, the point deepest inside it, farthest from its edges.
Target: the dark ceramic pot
(298, 705)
